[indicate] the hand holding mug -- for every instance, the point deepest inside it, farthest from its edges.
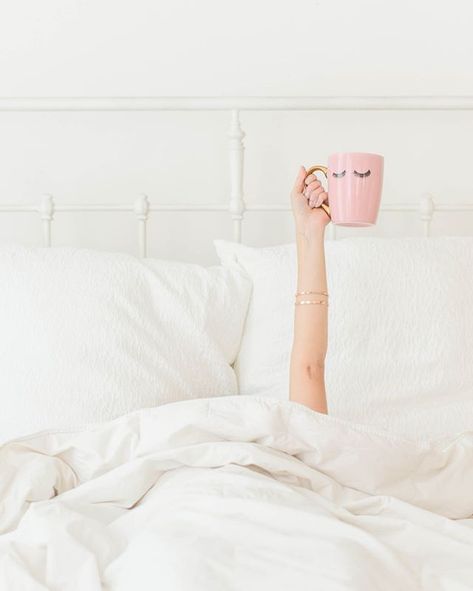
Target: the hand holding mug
(305, 195)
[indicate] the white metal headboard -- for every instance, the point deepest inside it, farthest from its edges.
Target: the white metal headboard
(141, 207)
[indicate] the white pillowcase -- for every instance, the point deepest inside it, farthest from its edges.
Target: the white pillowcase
(88, 336)
(400, 352)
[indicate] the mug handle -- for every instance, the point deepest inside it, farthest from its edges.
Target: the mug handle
(324, 170)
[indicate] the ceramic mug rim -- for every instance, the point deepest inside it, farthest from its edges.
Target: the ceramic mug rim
(356, 154)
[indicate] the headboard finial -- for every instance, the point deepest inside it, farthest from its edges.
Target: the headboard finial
(426, 207)
(46, 212)
(46, 208)
(426, 210)
(141, 207)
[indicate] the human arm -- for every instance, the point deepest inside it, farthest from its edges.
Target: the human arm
(307, 366)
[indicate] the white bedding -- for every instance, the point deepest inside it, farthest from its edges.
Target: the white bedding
(235, 493)
(87, 336)
(400, 351)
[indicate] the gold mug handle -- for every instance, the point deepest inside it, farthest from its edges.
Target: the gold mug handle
(324, 170)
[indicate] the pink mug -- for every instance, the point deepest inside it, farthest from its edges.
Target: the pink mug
(355, 182)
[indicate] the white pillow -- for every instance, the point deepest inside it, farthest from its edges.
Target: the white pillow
(400, 352)
(88, 336)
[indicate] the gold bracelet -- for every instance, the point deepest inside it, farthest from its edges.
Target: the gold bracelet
(300, 293)
(306, 302)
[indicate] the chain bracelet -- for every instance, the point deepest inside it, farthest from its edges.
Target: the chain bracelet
(307, 302)
(301, 293)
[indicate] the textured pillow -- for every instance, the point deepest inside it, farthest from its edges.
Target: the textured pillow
(400, 352)
(87, 336)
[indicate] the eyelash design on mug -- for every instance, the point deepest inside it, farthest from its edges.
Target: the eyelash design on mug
(339, 175)
(362, 174)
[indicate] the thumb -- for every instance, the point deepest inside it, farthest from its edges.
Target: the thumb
(299, 182)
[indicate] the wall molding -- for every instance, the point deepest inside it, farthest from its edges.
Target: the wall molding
(251, 103)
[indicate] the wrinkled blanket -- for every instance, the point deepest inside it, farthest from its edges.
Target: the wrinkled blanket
(235, 493)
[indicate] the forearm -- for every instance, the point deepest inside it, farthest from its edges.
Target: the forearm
(310, 324)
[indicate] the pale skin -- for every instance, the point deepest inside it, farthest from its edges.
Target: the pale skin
(307, 369)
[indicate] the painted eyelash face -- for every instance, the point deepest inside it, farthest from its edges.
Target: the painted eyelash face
(362, 175)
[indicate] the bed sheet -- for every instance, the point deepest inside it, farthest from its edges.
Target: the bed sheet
(235, 493)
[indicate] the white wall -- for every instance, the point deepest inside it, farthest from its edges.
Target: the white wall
(179, 47)
(210, 47)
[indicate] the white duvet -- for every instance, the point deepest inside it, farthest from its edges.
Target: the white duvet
(235, 493)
